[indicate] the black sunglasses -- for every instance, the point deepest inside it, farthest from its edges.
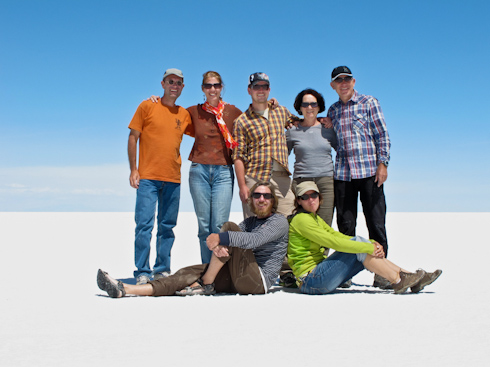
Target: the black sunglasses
(345, 79)
(257, 195)
(171, 82)
(209, 85)
(313, 195)
(260, 86)
(306, 104)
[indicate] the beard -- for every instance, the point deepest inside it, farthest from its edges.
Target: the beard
(263, 211)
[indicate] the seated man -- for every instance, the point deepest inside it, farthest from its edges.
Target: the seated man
(246, 258)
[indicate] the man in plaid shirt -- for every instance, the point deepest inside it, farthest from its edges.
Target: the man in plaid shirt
(262, 153)
(362, 159)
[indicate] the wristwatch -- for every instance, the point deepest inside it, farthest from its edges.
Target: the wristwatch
(385, 163)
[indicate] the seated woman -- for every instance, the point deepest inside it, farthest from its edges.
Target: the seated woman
(309, 235)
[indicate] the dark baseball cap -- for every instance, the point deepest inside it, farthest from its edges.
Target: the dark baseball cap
(258, 77)
(340, 70)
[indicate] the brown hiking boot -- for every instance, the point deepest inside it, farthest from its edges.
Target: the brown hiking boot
(407, 280)
(427, 279)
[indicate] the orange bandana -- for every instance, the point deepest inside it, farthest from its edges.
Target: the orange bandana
(218, 112)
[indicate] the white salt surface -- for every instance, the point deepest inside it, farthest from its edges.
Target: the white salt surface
(53, 314)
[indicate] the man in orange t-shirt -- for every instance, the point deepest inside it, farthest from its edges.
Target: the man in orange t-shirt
(159, 127)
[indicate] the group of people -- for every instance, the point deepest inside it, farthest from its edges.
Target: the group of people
(281, 217)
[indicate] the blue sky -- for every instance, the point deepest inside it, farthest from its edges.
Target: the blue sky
(73, 72)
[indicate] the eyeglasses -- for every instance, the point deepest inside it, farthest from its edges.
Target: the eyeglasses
(172, 82)
(313, 195)
(306, 104)
(260, 86)
(345, 79)
(209, 85)
(257, 195)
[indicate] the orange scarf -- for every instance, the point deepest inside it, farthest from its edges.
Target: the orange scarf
(218, 113)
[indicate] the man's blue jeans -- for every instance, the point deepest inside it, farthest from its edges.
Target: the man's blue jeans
(211, 188)
(167, 195)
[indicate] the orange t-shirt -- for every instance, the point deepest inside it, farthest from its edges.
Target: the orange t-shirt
(161, 129)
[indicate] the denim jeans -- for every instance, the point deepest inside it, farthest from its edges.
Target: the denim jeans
(331, 272)
(211, 188)
(167, 194)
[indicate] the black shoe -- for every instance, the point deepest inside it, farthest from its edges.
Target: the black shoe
(288, 280)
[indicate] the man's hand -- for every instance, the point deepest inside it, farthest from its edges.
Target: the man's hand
(213, 244)
(244, 192)
(381, 174)
(154, 99)
(293, 122)
(326, 122)
(134, 179)
(273, 103)
(221, 251)
(212, 241)
(378, 250)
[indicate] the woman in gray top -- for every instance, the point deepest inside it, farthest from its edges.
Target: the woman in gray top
(312, 144)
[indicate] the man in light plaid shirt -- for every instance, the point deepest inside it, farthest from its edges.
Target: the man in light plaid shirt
(363, 154)
(262, 153)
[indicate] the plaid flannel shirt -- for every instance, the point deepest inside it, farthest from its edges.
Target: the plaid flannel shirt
(260, 140)
(363, 140)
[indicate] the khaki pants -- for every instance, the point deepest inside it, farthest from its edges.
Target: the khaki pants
(239, 274)
(281, 183)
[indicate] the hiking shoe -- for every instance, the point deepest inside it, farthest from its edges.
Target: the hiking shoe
(427, 279)
(381, 283)
(407, 280)
(200, 289)
(142, 279)
(346, 284)
(163, 274)
(113, 287)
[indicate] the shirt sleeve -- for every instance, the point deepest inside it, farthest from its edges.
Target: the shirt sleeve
(240, 136)
(189, 129)
(270, 231)
(289, 141)
(324, 235)
(138, 119)
(381, 137)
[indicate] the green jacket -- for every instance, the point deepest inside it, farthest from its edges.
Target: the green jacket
(309, 235)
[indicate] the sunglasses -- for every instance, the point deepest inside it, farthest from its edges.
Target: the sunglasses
(260, 86)
(209, 85)
(313, 195)
(172, 82)
(344, 79)
(306, 104)
(257, 195)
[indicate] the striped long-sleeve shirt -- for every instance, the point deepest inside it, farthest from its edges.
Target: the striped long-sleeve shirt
(363, 140)
(267, 238)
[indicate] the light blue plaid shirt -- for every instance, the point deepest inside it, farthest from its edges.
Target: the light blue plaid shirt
(363, 140)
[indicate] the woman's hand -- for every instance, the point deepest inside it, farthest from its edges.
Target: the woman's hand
(326, 122)
(378, 250)
(154, 99)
